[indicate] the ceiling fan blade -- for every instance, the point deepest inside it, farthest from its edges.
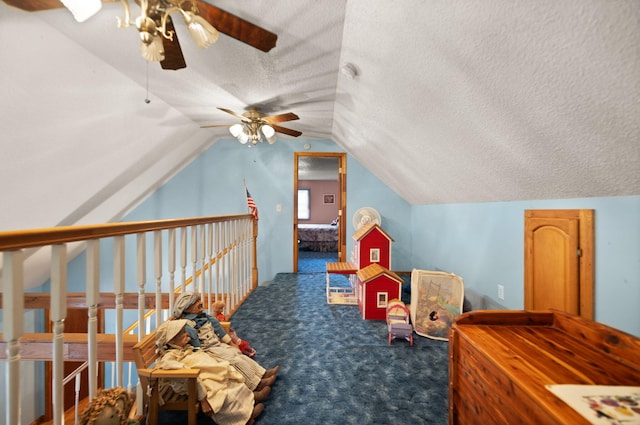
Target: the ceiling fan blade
(241, 117)
(238, 28)
(37, 5)
(173, 57)
(289, 116)
(216, 125)
(284, 130)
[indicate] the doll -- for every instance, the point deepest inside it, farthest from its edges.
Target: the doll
(218, 311)
(244, 346)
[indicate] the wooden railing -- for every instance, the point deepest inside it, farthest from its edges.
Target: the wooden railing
(216, 255)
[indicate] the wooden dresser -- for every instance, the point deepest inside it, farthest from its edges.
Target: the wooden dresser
(500, 362)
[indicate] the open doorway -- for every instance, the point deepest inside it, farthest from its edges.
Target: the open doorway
(319, 208)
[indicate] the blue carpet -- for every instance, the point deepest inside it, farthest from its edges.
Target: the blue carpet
(314, 262)
(335, 367)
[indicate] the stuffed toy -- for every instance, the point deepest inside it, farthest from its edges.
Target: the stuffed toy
(244, 346)
(110, 407)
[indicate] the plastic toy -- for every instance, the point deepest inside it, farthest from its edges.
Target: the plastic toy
(398, 321)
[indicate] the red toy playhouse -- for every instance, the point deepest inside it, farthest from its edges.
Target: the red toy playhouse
(377, 286)
(371, 244)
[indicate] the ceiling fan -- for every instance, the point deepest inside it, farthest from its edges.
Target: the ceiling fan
(157, 32)
(256, 127)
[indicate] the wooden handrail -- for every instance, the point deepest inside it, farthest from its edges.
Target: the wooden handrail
(39, 346)
(31, 238)
(38, 300)
(227, 242)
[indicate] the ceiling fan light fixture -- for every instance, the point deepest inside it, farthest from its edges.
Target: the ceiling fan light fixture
(267, 130)
(236, 130)
(82, 9)
(203, 33)
(258, 127)
(147, 28)
(152, 51)
(243, 138)
(240, 132)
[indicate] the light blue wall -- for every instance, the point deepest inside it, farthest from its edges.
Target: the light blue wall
(213, 185)
(366, 190)
(484, 244)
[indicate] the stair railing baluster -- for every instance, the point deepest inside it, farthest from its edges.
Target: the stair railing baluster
(141, 272)
(183, 256)
(92, 291)
(58, 314)
(13, 306)
(171, 258)
(118, 289)
(157, 250)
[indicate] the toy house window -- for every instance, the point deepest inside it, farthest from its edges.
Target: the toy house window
(374, 255)
(383, 298)
(304, 212)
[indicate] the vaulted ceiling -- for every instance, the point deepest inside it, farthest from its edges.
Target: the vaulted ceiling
(450, 101)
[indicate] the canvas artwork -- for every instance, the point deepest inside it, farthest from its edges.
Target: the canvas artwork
(436, 301)
(601, 404)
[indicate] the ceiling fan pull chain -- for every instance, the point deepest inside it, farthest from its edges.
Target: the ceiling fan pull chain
(146, 99)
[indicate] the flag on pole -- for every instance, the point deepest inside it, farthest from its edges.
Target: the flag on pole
(253, 209)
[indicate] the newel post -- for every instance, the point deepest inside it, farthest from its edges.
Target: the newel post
(254, 260)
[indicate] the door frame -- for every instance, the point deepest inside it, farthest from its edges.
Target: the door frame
(585, 260)
(341, 200)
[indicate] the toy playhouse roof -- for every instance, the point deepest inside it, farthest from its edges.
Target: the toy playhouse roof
(368, 228)
(375, 270)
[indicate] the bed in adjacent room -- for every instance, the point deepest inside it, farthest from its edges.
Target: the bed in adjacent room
(318, 237)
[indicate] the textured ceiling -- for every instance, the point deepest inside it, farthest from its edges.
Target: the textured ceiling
(452, 102)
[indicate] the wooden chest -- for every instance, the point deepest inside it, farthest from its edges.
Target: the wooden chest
(500, 362)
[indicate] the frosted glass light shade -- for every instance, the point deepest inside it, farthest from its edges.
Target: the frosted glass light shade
(243, 138)
(202, 32)
(82, 9)
(154, 51)
(268, 131)
(236, 130)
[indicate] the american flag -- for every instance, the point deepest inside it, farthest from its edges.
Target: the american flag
(252, 205)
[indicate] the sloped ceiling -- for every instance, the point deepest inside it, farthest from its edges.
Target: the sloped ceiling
(456, 101)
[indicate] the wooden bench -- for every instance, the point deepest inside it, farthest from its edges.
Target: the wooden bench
(145, 355)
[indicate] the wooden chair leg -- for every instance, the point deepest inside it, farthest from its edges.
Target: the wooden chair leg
(193, 402)
(154, 402)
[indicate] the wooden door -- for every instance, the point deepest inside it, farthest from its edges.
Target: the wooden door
(559, 261)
